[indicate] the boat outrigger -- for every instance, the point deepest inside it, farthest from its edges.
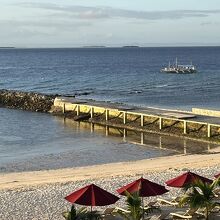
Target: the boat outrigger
(179, 68)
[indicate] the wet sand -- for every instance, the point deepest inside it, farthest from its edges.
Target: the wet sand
(23, 179)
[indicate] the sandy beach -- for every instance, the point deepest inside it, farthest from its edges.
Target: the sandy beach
(141, 167)
(40, 194)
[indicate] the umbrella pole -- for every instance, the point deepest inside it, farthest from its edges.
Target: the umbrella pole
(142, 198)
(91, 213)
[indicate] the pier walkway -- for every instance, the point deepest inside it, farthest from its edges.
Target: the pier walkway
(162, 117)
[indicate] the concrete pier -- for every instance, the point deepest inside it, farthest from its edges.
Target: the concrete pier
(160, 123)
(77, 109)
(125, 118)
(142, 120)
(185, 127)
(92, 112)
(159, 120)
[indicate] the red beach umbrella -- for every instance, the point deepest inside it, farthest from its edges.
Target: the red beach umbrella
(217, 175)
(92, 195)
(144, 187)
(186, 179)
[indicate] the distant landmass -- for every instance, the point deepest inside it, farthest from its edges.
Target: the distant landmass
(7, 47)
(94, 46)
(130, 46)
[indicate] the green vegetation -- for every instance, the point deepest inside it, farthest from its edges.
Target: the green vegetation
(81, 214)
(135, 212)
(201, 196)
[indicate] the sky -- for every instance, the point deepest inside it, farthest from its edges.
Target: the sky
(76, 23)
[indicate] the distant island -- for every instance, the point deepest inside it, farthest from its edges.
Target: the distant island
(94, 46)
(7, 47)
(130, 46)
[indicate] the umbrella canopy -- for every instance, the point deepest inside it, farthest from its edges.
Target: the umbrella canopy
(217, 175)
(186, 179)
(144, 187)
(92, 195)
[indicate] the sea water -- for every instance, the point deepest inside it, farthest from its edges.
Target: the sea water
(34, 141)
(128, 75)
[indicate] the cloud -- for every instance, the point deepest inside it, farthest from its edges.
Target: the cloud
(84, 12)
(76, 11)
(43, 23)
(24, 28)
(208, 23)
(52, 23)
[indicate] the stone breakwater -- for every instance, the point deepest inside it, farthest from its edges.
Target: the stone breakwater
(30, 101)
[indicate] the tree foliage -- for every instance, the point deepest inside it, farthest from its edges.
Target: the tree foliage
(80, 214)
(133, 206)
(201, 195)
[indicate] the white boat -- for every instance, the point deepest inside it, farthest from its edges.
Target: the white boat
(177, 68)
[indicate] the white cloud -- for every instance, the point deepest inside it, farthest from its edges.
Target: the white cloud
(40, 26)
(46, 23)
(84, 12)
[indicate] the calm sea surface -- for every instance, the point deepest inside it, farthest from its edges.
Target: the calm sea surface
(130, 75)
(32, 141)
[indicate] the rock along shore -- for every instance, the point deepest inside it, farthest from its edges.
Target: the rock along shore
(30, 101)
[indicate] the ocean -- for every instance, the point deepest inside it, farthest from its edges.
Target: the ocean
(34, 141)
(127, 75)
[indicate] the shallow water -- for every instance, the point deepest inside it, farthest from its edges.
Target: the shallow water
(37, 141)
(34, 141)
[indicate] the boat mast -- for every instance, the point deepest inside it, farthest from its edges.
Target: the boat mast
(176, 62)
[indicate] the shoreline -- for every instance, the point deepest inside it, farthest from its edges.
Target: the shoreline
(47, 201)
(147, 166)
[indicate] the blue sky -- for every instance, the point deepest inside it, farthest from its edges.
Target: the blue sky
(70, 23)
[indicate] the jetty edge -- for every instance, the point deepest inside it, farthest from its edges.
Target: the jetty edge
(197, 124)
(189, 124)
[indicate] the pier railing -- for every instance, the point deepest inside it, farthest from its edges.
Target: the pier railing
(141, 118)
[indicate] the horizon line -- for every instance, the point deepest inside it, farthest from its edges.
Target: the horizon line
(104, 46)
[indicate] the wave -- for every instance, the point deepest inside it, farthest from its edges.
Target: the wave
(162, 86)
